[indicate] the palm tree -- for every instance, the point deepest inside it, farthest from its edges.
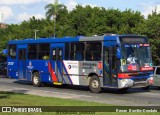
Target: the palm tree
(53, 12)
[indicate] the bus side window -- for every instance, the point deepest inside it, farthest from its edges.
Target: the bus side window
(93, 51)
(67, 51)
(77, 51)
(43, 52)
(12, 51)
(60, 54)
(89, 56)
(54, 54)
(20, 55)
(32, 51)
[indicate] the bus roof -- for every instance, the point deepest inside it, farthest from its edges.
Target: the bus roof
(68, 39)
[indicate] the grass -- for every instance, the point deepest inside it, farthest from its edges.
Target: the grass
(17, 99)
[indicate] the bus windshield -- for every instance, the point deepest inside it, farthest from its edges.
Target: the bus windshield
(135, 57)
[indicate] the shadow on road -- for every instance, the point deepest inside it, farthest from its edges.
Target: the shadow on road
(24, 82)
(129, 91)
(85, 88)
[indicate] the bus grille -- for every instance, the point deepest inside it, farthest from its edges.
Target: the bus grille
(139, 84)
(140, 79)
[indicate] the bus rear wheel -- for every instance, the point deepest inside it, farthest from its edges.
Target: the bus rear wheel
(36, 79)
(94, 84)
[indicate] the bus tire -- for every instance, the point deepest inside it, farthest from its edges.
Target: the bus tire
(94, 84)
(36, 79)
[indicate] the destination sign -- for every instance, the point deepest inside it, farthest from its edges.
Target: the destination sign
(133, 40)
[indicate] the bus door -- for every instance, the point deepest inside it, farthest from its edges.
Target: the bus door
(22, 62)
(57, 52)
(109, 67)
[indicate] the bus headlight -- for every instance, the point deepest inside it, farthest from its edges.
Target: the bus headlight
(151, 80)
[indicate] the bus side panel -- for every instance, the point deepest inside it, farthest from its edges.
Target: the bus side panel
(88, 69)
(71, 72)
(40, 66)
(45, 77)
(77, 72)
(29, 75)
(12, 69)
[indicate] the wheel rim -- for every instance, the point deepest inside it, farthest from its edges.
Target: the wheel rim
(95, 84)
(35, 79)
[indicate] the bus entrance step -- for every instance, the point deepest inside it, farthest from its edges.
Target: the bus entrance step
(57, 83)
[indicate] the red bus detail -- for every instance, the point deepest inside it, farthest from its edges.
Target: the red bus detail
(52, 73)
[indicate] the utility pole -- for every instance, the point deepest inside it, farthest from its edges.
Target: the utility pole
(35, 33)
(55, 16)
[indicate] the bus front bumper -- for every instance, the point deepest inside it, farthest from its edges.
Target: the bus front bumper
(126, 83)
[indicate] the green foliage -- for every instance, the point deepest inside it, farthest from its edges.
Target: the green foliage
(87, 21)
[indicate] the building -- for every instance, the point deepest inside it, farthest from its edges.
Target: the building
(3, 25)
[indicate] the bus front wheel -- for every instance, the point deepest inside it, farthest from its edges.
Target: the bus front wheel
(36, 79)
(94, 84)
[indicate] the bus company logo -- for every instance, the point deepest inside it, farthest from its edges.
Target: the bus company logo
(30, 65)
(72, 66)
(69, 66)
(6, 109)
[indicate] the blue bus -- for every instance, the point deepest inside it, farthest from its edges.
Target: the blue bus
(115, 61)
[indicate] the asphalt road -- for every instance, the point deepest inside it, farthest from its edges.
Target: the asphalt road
(133, 97)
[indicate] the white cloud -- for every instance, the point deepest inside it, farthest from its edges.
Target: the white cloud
(6, 13)
(25, 16)
(12, 2)
(71, 4)
(148, 10)
(89, 5)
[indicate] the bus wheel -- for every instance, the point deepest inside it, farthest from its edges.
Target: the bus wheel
(94, 84)
(36, 79)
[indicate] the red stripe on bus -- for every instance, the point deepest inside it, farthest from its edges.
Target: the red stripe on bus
(52, 73)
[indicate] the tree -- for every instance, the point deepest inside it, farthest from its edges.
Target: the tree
(54, 11)
(152, 30)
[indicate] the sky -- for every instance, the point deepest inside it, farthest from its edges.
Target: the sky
(16, 11)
